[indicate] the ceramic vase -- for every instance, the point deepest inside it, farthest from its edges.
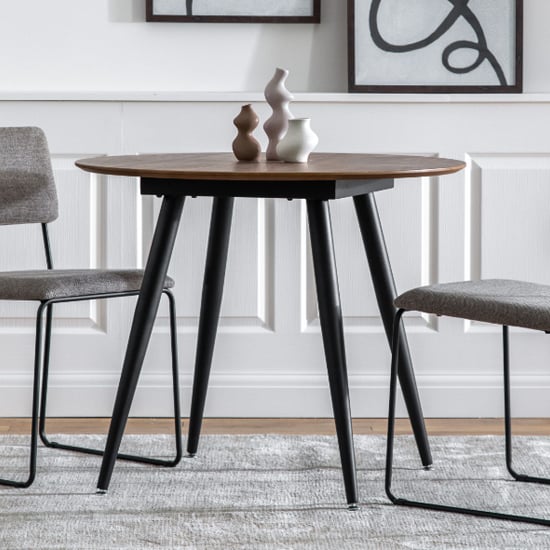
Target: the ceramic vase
(298, 142)
(245, 146)
(278, 98)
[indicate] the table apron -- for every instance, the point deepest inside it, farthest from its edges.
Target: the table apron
(295, 189)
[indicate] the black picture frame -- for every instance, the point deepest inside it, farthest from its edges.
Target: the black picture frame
(371, 39)
(152, 16)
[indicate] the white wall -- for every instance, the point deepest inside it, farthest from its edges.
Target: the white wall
(101, 81)
(105, 45)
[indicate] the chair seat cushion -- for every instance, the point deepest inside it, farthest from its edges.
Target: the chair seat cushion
(69, 283)
(499, 301)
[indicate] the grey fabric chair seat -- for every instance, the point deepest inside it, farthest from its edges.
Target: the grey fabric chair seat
(46, 284)
(499, 301)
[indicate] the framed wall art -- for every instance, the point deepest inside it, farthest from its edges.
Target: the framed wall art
(234, 11)
(423, 46)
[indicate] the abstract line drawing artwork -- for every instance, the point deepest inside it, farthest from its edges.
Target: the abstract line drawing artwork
(228, 11)
(435, 45)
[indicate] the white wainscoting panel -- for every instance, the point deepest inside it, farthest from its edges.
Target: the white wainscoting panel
(491, 220)
(512, 236)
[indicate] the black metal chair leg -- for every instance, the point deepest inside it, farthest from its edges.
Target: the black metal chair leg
(384, 287)
(392, 398)
(142, 326)
(98, 452)
(212, 292)
(35, 403)
(330, 315)
(390, 442)
(508, 415)
(45, 376)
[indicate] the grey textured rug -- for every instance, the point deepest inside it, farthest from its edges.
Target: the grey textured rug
(270, 492)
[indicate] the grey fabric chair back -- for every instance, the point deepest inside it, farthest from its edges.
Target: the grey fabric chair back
(27, 186)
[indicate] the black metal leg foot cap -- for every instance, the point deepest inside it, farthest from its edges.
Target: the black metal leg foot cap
(101, 491)
(191, 455)
(353, 506)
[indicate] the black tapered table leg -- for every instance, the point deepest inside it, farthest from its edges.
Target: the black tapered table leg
(142, 326)
(384, 287)
(330, 314)
(212, 292)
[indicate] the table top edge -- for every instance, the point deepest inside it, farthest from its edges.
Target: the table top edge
(319, 170)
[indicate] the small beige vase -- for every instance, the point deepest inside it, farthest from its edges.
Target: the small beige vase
(245, 146)
(298, 142)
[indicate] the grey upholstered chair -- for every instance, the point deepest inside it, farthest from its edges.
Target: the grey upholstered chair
(498, 301)
(28, 195)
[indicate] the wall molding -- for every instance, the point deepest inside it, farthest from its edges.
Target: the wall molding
(261, 394)
(244, 96)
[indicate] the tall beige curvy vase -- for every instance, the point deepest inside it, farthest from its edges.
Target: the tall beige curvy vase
(278, 98)
(245, 146)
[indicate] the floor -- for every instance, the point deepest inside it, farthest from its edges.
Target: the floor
(288, 426)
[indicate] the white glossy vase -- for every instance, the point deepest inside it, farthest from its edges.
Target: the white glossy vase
(278, 98)
(298, 142)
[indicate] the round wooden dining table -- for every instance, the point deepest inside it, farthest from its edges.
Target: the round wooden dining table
(325, 177)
